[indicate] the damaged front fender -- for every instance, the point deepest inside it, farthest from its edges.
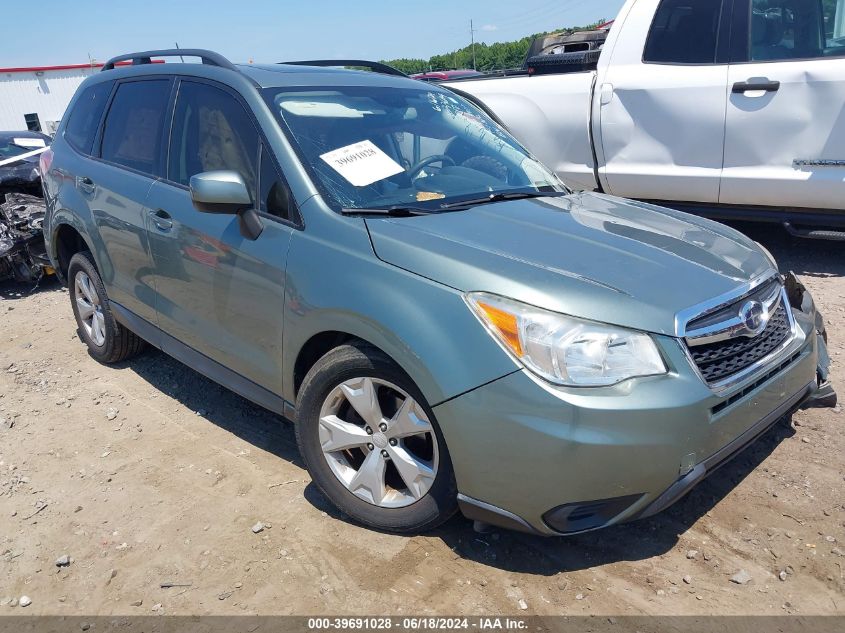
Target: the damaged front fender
(800, 299)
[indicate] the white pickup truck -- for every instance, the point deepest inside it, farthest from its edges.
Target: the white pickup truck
(728, 108)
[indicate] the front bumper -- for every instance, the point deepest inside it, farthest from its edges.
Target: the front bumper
(532, 457)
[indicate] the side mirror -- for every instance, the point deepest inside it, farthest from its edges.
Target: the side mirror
(225, 192)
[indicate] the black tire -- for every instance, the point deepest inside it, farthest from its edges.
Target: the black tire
(361, 360)
(120, 343)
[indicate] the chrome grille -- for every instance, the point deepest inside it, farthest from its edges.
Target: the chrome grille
(729, 338)
(763, 293)
(720, 360)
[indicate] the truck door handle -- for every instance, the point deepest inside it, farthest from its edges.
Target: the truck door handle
(162, 219)
(606, 94)
(760, 85)
(85, 184)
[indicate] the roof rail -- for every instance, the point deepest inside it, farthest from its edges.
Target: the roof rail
(208, 57)
(376, 67)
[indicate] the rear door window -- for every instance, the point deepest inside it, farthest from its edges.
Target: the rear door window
(133, 128)
(211, 131)
(85, 117)
(783, 30)
(684, 32)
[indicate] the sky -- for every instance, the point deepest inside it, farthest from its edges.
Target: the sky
(65, 32)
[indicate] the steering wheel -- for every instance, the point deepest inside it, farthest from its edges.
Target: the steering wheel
(425, 162)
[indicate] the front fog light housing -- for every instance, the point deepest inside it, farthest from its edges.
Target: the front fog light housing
(565, 350)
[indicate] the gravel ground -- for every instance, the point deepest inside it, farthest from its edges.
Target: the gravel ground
(116, 480)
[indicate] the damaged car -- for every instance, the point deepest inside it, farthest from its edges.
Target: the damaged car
(447, 324)
(19, 152)
(22, 253)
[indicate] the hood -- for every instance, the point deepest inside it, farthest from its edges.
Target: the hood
(22, 172)
(587, 255)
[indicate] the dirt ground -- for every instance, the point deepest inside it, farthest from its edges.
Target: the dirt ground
(148, 473)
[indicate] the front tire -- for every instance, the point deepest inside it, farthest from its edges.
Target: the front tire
(107, 340)
(371, 442)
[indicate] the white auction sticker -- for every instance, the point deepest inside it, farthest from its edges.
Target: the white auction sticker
(362, 163)
(29, 142)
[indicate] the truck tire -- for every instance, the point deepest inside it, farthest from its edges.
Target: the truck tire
(108, 341)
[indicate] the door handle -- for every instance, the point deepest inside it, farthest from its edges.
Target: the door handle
(162, 219)
(759, 85)
(85, 184)
(606, 94)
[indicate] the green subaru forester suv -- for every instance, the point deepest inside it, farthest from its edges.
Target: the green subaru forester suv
(448, 325)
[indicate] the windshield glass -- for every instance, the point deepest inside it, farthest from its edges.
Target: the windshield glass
(377, 147)
(9, 149)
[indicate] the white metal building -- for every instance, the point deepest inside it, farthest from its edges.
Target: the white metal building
(36, 98)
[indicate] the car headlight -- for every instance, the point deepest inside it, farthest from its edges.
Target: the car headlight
(565, 350)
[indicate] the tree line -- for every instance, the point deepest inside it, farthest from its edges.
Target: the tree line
(496, 56)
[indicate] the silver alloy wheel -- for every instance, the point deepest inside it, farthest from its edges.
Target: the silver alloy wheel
(389, 460)
(90, 309)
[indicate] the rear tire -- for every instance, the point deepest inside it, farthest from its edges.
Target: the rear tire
(108, 341)
(399, 478)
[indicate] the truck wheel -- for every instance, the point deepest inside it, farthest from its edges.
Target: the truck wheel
(107, 340)
(371, 442)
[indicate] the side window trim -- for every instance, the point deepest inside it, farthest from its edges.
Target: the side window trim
(98, 137)
(167, 129)
(741, 32)
(723, 39)
(96, 150)
(295, 220)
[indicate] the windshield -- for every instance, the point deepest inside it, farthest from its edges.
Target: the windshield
(15, 146)
(9, 149)
(378, 147)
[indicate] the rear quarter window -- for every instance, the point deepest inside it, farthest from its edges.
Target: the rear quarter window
(84, 118)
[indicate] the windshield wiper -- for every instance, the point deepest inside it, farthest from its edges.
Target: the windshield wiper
(500, 197)
(394, 211)
(405, 210)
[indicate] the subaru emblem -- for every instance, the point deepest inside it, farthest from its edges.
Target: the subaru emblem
(753, 317)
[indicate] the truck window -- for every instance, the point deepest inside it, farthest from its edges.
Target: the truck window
(684, 32)
(796, 29)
